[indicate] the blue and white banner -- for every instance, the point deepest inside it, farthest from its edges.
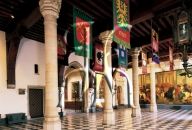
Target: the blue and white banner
(122, 56)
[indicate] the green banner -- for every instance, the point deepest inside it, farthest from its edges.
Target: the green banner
(82, 30)
(120, 22)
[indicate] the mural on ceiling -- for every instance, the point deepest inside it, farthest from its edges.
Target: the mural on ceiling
(171, 88)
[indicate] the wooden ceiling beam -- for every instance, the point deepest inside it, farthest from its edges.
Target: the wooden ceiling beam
(135, 2)
(144, 29)
(168, 20)
(147, 25)
(155, 24)
(160, 42)
(91, 10)
(135, 34)
(135, 28)
(162, 23)
(148, 13)
(99, 8)
(106, 5)
(162, 45)
(73, 3)
(27, 23)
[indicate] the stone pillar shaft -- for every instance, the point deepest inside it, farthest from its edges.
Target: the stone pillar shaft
(86, 86)
(3, 67)
(51, 71)
(136, 112)
(50, 11)
(106, 38)
(153, 105)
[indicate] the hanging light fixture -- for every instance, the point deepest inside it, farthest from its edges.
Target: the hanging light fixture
(182, 36)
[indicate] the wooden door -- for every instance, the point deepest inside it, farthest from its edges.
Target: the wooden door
(36, 102)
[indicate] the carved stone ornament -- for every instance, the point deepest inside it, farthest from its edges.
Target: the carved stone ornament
(50, 5)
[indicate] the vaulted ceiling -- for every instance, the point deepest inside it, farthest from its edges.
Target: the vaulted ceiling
(28, 21)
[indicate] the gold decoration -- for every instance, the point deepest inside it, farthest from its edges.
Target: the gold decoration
(122, 13)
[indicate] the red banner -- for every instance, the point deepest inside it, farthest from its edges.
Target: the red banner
(98, 58)
(144, 63)
(171, 56)
(61, 47)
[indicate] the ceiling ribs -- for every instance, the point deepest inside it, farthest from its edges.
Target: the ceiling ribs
(135, 28)
(144, 14)
(98, 7)
(162, 23)
(143, 28)
(135, 2)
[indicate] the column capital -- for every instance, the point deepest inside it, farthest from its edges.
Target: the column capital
(50, 7)
(135, 51)
(150, 61)
(106, 37)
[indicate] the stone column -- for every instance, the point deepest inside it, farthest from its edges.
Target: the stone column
(153, 105)
(3, 67)
(87, 101)
(106, 38)
(136, 111)
(50, 11)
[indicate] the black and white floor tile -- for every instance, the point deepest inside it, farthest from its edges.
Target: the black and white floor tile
(165, 119)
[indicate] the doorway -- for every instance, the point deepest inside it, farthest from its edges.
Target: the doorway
(119, 89)
(36, 103)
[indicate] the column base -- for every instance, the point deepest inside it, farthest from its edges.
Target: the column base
(153, 107)
(52, 123)
(86, 110)
(115, 107)
(92, 109)
(108, 117)
(136, 111)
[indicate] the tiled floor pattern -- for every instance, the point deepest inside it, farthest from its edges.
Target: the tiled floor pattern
(165, 119)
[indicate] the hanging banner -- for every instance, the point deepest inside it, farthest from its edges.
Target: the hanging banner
(122, 58)
(120, 23)
(61, 47)
(171, 56)
(144, 62)
(98, 66)
(155, 44)
(82, 30)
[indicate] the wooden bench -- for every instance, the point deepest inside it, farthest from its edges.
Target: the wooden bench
(15, 118)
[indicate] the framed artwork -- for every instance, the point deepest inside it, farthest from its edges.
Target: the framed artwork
(75, 89)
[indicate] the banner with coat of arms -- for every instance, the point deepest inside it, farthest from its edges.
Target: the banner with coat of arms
(120, 23)
(82, 29)
(122, 58)
(155, 44)
(144, 62)
(61, 47)
(98, 66)
(171, 56)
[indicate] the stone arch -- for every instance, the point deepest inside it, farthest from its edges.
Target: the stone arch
(129, 88)
(76, 65)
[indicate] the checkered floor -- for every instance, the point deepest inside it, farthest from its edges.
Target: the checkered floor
(165, 119)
